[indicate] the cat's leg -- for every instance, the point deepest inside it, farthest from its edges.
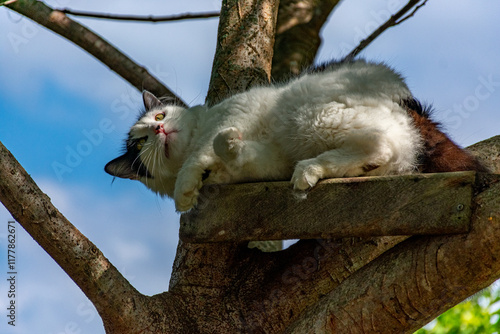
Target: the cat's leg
(228, 144)
(189, 182)
(236, 152)
(249, 159)
(357, 157)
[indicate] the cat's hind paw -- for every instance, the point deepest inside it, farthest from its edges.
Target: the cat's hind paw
(306, 175)
(227, 144)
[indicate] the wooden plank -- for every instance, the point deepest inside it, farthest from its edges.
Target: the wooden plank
(344, 207)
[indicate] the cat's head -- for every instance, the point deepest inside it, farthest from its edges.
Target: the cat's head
(155, 147)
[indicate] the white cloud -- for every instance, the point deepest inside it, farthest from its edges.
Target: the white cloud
(130, 252)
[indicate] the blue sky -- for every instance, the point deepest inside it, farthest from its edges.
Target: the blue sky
(59, 106)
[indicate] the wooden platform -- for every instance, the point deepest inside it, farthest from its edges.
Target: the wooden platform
(344, 207)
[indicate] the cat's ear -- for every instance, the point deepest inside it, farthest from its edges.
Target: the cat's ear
(121, 167)
(150, 101)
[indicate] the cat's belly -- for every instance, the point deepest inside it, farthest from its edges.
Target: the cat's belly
(319, 128)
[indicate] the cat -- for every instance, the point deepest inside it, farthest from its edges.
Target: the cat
(337, 120)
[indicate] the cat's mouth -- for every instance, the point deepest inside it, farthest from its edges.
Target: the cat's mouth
(161, 131)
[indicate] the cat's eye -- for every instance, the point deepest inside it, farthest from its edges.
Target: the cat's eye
(160, 116)
(140, 143)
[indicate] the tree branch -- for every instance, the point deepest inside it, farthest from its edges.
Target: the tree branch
(58, 22)
(101, 282)
(298, 35)
(298, 277)
(394, 20)
(411, 14)
(118, 17)
(488, 152)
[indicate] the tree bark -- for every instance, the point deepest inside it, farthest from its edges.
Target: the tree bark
(488, 151)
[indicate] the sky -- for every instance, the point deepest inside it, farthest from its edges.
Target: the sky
(61, 107)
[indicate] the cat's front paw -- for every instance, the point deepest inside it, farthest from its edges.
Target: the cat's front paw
(186, 194)
(306, 175)
(227, 144)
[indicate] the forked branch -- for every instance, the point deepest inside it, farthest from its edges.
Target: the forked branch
(394, 20)
(101, 282)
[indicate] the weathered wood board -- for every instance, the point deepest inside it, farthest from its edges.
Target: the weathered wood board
(344, 207)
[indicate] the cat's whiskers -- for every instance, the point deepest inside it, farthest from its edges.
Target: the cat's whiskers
(155, 156)
(150, 158)
(145, 157)
(157, 159)
(140, 165)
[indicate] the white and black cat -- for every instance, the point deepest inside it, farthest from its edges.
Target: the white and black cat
(340, 119)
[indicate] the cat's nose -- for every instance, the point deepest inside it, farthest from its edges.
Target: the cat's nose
(159, 128)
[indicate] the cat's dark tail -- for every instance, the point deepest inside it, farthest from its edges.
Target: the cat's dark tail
(440, 153)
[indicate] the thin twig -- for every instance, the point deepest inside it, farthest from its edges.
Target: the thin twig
(391, 22)
(169, 18)
(7, 2)
(412, 13)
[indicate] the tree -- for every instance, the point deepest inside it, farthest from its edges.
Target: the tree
(316, 285)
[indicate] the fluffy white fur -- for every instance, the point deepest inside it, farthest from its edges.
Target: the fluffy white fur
(343, 121)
